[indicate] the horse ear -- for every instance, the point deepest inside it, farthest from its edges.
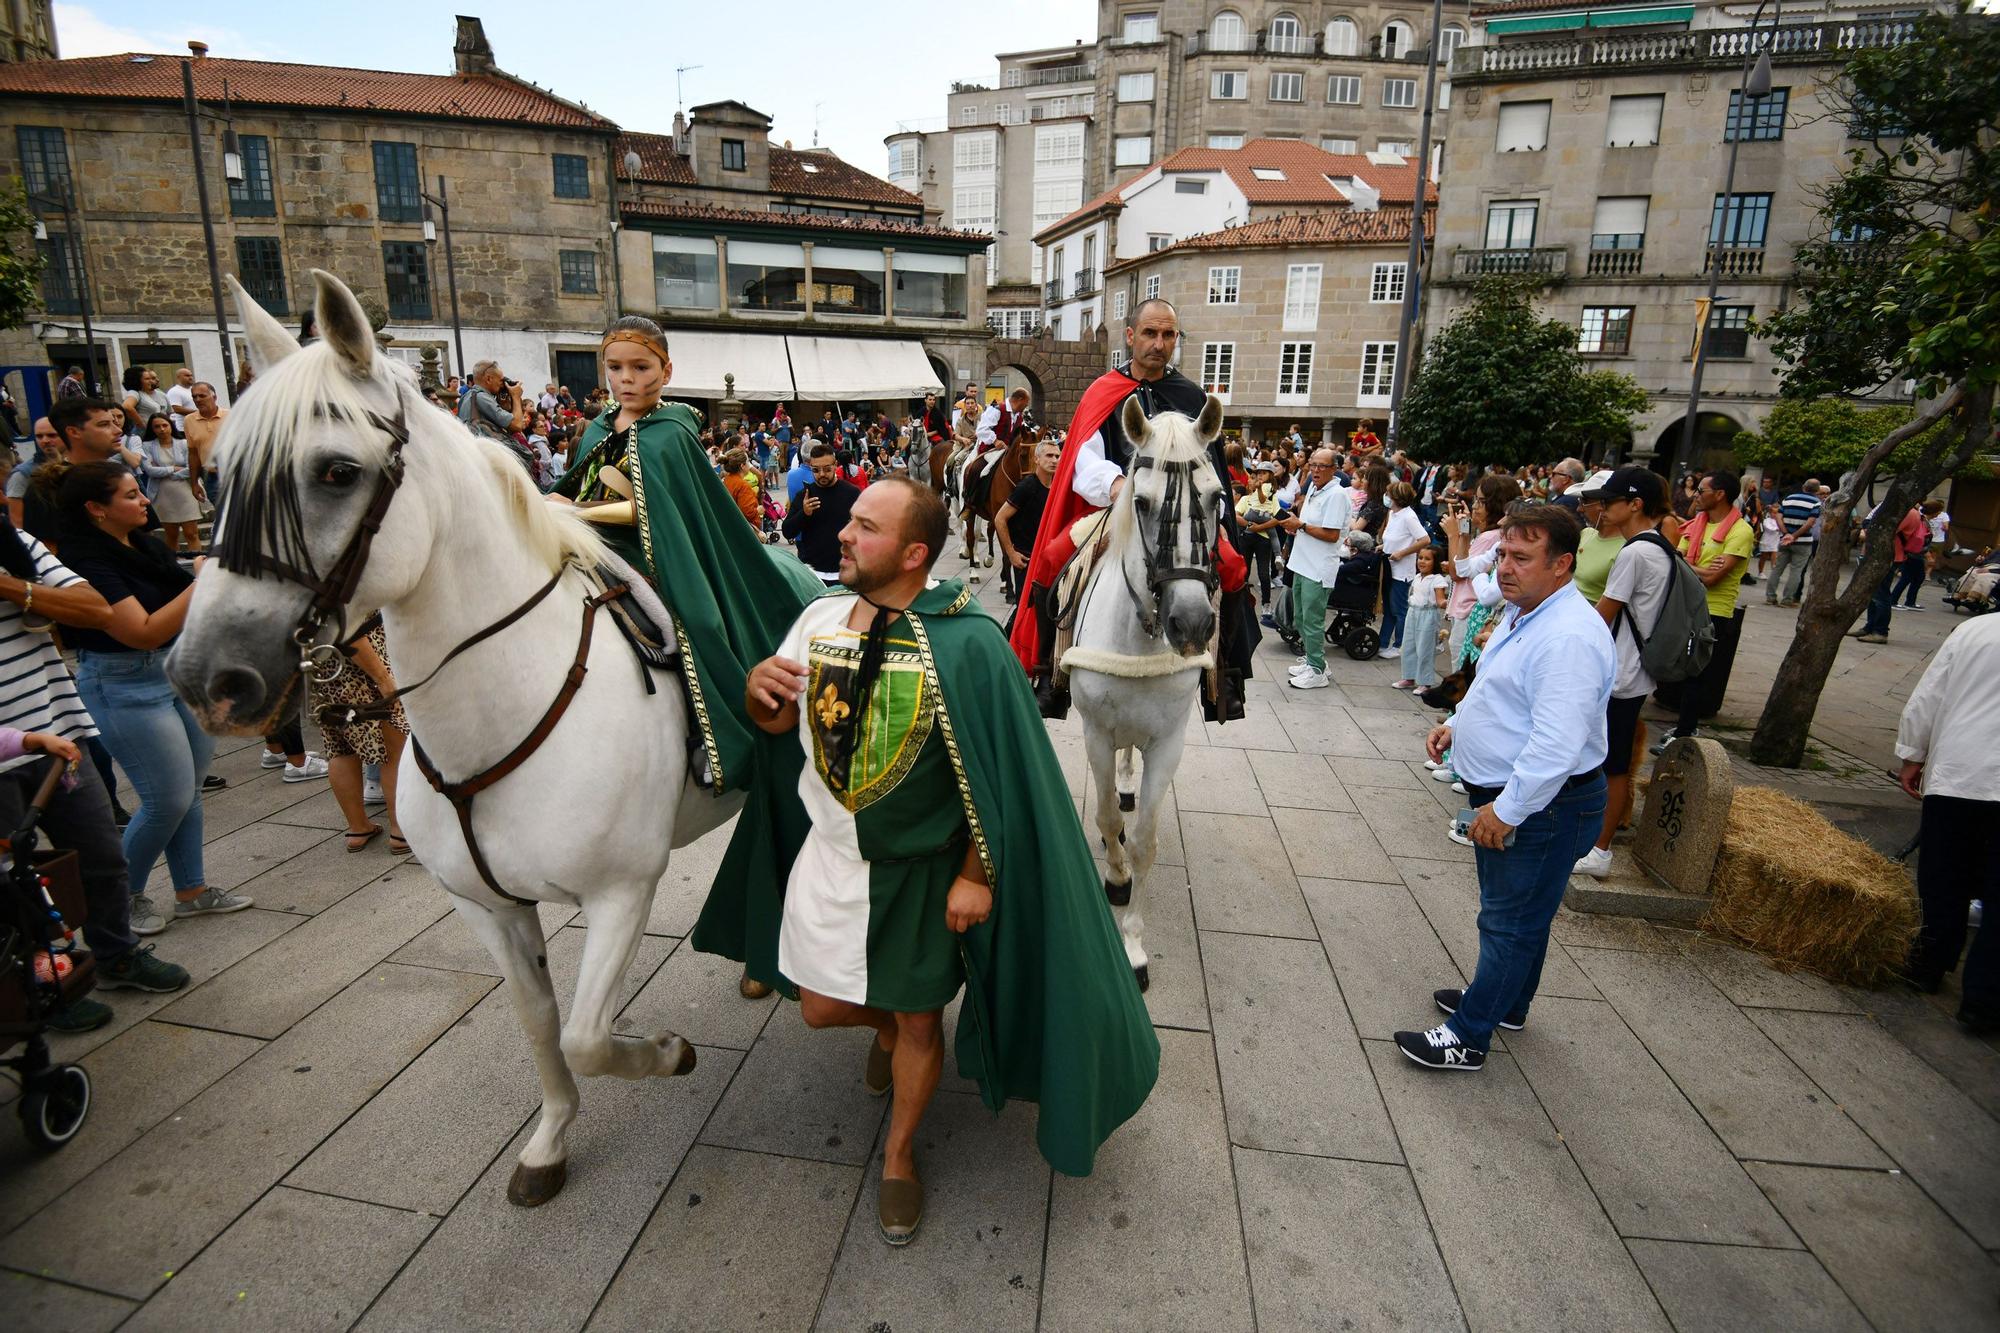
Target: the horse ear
(1132, 418)
(343, 324)
(1209, 424)
(270, 342)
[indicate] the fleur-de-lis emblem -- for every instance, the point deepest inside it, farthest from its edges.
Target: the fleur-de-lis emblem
(828, 708)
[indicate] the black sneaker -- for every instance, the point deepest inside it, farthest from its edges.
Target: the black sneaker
(1440, 1048)
(1449, 1000)
(82, 1014)
(140, 970)
(214, 782)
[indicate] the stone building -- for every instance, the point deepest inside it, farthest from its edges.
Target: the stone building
(1589, 149)
(1061, 124)
(27, 30)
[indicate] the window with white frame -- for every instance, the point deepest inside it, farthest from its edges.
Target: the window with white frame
(1385, 284)
(1267, 173)
(1190, 185)
(1343, 38)
(1449, 42)
(1012, 78)
(1226, 32)
(1141, 28)
(1152, 286)
(1619, 222)
(1229, 85)
(1132, 150)
(1223, 283)
(1399, 92)
(1524, 127)
(1287, 36)
(1054, 108)
(1378, 374)
(1003, 113)
(972, 208)
(1118, 304)
(1056, 200)
(1158, 240)
(1288, 87)
(1400, 147)
(968, 114)
(1343, 146)
(905, 160)
(1225, 141)
(1302, 296)
(1056, 147)
(1295, 373)
(1135, 87)
(1634, 121)
(1343, 90)
(1398, 38)
(975, 152)
(1218, 368)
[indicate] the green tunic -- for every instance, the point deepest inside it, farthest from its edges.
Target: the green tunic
(731, 596)
(1052, 1013)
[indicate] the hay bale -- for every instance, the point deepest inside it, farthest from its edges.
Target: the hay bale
(1802, 893)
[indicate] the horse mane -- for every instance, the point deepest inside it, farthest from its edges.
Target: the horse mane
(260, 509)
(1171, 440)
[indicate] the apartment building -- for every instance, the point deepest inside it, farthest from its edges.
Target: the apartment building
(1589, 150)
(1059, 125)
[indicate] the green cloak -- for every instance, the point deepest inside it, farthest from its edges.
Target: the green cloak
(732, 597)
(1051, 1011)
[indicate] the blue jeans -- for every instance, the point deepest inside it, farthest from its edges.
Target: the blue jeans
(1395, 601)
(1877, 619)
(156, 740)
(1909, 578)
(1519, 891)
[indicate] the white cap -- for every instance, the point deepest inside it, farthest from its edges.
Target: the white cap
(1596, 481)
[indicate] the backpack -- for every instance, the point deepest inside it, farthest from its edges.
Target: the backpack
(1683, 639)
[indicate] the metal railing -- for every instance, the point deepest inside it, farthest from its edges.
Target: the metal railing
(1306, 44)
(1734, 261)
(1037, 78)
(1549, 261)
(1718, 46)
(1615, 263)
(1052, 292)
(1086, 282)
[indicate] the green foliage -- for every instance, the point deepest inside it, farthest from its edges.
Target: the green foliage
(1501, 385)
(20, 260)
(1826, 437)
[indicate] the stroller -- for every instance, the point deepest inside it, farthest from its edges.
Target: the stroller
(41, 904)
(1352, 600)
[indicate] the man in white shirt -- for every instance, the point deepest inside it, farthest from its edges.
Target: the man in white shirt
(1949, 742)
(1314, 563)
(180, 400)
(1529, 744)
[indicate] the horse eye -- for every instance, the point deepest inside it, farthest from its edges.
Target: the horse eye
(341, 474)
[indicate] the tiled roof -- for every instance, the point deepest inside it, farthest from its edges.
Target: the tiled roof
(1345, 226)
(659, 164)
(792, 221)
(831, 178)
(326, 87)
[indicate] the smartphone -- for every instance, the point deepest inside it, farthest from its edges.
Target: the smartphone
(1464, 825)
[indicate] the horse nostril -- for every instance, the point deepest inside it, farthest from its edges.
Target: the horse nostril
(239, 687)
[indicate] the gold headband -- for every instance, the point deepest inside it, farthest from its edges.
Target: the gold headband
(638, 336)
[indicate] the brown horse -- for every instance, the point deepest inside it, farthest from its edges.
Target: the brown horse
(990, 493)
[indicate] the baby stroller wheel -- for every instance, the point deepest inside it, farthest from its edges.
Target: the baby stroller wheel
(1361, 643)
(54, 1106)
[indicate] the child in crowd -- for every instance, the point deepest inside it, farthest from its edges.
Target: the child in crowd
(1428, 591)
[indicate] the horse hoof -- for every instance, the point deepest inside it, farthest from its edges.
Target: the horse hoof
(1128, 802)
(1143, 977)
(1119, 895)
(533, 1186)
(750, 988)
(686, 1063)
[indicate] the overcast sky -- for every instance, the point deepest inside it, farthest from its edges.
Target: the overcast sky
(854, 70)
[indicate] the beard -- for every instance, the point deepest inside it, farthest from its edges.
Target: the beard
(867, 578)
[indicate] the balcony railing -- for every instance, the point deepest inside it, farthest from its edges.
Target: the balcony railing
(1615, 263)
(1550, 261)
(1036, 78)
(1800, 42)
(1305, 44)
(1052, 292)
(1086, 282)
(1734, 261)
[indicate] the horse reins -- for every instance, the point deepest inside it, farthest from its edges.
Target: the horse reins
(1179, 485)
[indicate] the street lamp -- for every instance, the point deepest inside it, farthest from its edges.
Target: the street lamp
(1756, 83)
(632, 165)
(229, 151)
(450, 269)
(61, 195)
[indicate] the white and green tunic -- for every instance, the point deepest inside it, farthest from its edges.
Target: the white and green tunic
(864, 913)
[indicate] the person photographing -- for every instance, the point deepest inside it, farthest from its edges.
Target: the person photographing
(822, 510)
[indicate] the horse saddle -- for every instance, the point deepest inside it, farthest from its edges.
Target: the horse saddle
(653, 644)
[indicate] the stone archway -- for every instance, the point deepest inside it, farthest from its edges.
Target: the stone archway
(1057, 372)
(1715, 433)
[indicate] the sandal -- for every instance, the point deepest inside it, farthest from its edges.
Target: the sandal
(358, 840)
(399, 845)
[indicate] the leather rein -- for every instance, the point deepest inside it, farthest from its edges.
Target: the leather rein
(1180, 485)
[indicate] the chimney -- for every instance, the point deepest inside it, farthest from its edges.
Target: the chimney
(199, 49)
(472, 53)
(680, 133)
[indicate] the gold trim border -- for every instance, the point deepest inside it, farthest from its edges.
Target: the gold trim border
(951, 743)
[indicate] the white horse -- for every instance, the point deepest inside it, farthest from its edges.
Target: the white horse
(1142, 641)
(333, 436)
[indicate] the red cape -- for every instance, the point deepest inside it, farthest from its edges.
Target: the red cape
(1065, 506)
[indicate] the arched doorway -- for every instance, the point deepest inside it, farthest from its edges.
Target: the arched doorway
(1714, 443)
(1055, 373)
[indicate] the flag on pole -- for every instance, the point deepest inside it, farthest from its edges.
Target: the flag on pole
(1700, 323)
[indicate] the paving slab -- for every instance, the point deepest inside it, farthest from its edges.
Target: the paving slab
(271, 798)
(319, 876)
(421, 1142)
(1170, 852)
(1177, 996)
(1748, 1091)
(1217, 781)
(1448, 892)
(136, 1081)
(1293, 1075)
(1399, 733)
(1151, 1239)
(1895, 1254)
(694, 994)
(1385, 955)
(151, 1208)
(741, 1240)
(1404, 821)
(1340, 1245)
(1935, 1132)
(236, 858)
(684, 888)
(1381, 773)
(1304, 781)
(800, 1094)
(1260, 728)
(1588, 931)
(451, 945)
(1752, 981)
(290, 977)
(55, 1307)
(318, 810)
(1335, 846)
(1717, 1288)
(986, 1198)
(493, 1266)
(1242, 878)
(1972, 1066)
(1525, 1239)
(252, 1275)
(1654, 1163)
(1327, 730)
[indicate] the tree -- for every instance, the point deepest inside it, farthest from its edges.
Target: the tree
(1828, 437)
(20, 259)
(1903, 284)
(1499, 384)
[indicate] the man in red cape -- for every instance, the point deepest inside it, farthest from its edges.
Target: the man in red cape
(1092, 472)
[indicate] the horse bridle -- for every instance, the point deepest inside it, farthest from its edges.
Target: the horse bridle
(1179, 487)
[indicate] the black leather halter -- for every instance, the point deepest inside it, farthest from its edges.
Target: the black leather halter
(1157, 547)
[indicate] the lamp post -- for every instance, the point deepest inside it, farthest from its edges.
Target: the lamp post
(1756, 83)
(232, 158)
(632, 165)
(62, 195)
(1399, 376)
(450, 269)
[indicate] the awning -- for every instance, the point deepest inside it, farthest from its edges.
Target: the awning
(1625, 18)
(1535, 23)
(757, 360)
(855, 369)
(1596, 18)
